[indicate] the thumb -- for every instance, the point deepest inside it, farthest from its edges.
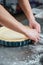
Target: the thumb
(30, 25)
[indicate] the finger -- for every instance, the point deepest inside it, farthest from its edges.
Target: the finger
(37, 40)
(30, 26)
(38, 28)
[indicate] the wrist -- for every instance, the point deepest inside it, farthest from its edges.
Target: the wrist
(31, 18)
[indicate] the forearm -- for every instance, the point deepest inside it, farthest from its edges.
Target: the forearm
(24, 4)
(9, 21)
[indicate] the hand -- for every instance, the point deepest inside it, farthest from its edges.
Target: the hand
(35, 25)
(33, 35)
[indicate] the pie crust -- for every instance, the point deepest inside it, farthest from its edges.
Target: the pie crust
(7, 34)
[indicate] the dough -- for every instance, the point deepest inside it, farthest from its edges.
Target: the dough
(10, 35)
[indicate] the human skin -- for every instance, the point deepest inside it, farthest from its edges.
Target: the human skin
(25, 5)
(9, 21)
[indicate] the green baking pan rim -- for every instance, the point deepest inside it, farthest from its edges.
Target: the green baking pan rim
(15, 44)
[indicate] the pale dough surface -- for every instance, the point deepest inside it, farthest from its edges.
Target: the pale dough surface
(10, 35)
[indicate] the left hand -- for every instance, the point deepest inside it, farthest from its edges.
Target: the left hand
(35, 25)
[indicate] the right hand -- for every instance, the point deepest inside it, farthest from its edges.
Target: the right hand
(33, 35)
